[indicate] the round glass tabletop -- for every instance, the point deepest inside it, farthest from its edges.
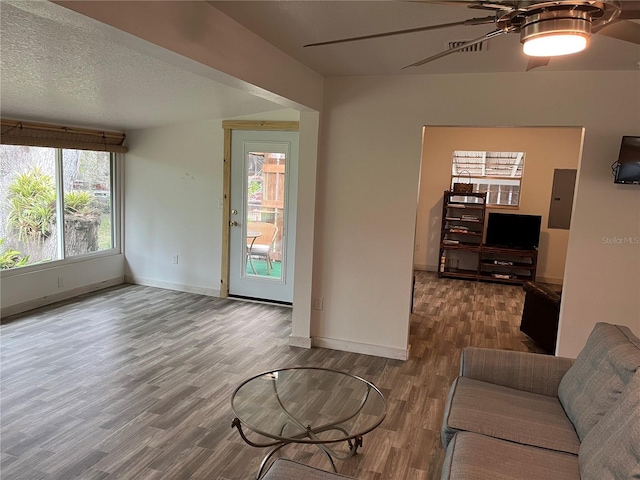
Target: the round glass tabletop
(309, 405)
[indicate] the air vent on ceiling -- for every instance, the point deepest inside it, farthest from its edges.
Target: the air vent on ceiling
(478, 47)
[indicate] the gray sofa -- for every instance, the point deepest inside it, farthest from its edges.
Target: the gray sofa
(524, 416)
(283, 469)
(513, 415)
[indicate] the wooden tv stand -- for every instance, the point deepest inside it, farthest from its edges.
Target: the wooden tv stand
(464, 256)
(508, 265)
(495, 264)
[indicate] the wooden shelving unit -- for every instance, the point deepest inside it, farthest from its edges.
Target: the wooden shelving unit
(464, 256)
(463, 216)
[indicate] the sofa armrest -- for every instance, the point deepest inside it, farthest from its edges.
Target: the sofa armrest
(530, 372)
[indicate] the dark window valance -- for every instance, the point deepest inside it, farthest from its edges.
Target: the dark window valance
(15, 132)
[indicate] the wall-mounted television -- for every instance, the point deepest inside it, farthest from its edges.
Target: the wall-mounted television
(513, 231)
(627, 168)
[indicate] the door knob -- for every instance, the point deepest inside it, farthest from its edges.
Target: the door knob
(233, 223)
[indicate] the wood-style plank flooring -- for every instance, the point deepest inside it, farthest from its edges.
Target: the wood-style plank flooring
(135, 382)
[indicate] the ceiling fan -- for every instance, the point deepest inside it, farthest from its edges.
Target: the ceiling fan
(546, 28)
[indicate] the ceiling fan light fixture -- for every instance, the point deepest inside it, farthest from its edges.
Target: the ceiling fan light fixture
(556, 33)
(554, 45)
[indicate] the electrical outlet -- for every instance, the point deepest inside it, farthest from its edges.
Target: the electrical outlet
(220, 203)
(60, 282)
(174, 259)
(417, 247)
(318, 303)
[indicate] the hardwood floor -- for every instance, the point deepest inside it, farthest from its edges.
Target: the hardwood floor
(135, 382)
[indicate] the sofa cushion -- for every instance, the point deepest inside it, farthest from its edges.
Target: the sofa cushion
(508, 414)
(283, 469)
(473, 456)
(603, 368)
(611, 450)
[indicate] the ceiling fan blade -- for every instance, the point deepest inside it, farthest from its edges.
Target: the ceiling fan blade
(630, 10)
(623, 30)
(488, 36)
(468, 22)
(475, 4)
(494, 5)
(535, 62)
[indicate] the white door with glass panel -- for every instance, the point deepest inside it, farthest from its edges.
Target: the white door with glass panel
(264, 171)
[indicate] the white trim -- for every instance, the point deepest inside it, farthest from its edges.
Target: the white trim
(58, 297)
(363, 348)
(59, 201)
(180, 287)
(302, 342)
(117, 207)
(41, 267)
(117, 202)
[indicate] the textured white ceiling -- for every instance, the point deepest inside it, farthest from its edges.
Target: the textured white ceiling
(291, 24)
(60, 66)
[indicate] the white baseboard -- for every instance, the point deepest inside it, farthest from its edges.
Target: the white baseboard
(363, 348)
(180, 287)
(302, 342)
(58, 297)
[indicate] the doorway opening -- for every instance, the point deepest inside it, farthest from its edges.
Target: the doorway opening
(548, 149)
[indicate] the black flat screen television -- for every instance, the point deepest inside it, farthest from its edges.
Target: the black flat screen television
(513, 231)
(627, 168)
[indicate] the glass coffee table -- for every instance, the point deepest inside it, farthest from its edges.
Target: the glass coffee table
(308, 405)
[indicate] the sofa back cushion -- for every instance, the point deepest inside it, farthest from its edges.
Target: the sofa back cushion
(611, 450)
(603, 368)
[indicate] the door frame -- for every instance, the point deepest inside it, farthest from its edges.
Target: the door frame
(228, 127)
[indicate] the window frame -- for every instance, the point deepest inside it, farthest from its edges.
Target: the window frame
(116, 220)
(462, 177)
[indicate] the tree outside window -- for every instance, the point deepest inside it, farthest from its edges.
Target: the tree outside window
(39, 225)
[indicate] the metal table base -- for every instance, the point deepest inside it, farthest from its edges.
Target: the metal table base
(354, 443)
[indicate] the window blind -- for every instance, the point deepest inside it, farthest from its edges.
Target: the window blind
(16, 132)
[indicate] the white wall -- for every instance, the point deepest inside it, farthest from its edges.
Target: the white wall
(173, 184)
(305, 221)
(173, 188)
(23, 291)
(603, 260)
(545, 150)
(368, 185)
(367, 193)
(284, 115)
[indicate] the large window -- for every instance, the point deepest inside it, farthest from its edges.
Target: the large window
(498, 173)
(54, 204)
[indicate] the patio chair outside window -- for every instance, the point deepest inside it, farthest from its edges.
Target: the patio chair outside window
(263, 244)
